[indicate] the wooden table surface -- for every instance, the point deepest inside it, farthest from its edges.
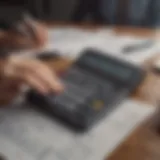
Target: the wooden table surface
(145, 92)
(144, 142)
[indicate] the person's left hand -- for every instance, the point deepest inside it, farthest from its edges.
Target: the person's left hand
(34, 73)
(18, 71)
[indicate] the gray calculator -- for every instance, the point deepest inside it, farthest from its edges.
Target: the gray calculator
(94, 85)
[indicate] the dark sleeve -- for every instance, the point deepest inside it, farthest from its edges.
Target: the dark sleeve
(4, 25)
(9, 15)
(155, 13)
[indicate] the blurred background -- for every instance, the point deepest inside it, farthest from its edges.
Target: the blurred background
(58, 10)
(129, 12)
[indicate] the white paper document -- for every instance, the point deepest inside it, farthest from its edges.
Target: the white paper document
(70, 42)
(27, 134)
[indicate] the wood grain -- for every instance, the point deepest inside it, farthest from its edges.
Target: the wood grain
(142, 144)
(148, 91)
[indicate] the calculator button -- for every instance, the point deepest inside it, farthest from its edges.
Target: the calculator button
(75, 93)
(88, 84)
(66, 102)
(79, 93)
(105, 91)
(75, 76)
(97, 105)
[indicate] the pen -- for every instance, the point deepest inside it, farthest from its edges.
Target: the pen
(26, 27)
(138, 47)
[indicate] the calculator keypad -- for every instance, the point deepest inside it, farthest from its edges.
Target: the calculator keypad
(66, 103)
(73, 75)
(83, 93)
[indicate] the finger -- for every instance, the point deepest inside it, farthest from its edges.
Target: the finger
(40, 71)
(36, 84)
(47, 76)
(49, 79)
(21, 29)
(37, 31)
(33, 29)
(57, 84)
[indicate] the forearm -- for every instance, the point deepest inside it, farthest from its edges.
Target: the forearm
(10, 40)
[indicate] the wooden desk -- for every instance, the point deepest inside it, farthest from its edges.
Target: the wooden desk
(146, 92)
(140, 32)
(144, 142)
(143, 92)
(131, 149)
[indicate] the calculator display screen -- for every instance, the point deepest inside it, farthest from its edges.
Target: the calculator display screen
(108, 67)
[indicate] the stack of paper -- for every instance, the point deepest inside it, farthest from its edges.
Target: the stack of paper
(71, 41)
(27, 134)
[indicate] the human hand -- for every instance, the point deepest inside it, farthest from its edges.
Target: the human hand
(34, 30)
(34, 35)
(33, 73)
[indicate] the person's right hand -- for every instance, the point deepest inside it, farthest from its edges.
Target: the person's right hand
(34, 36)
(33, 73)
